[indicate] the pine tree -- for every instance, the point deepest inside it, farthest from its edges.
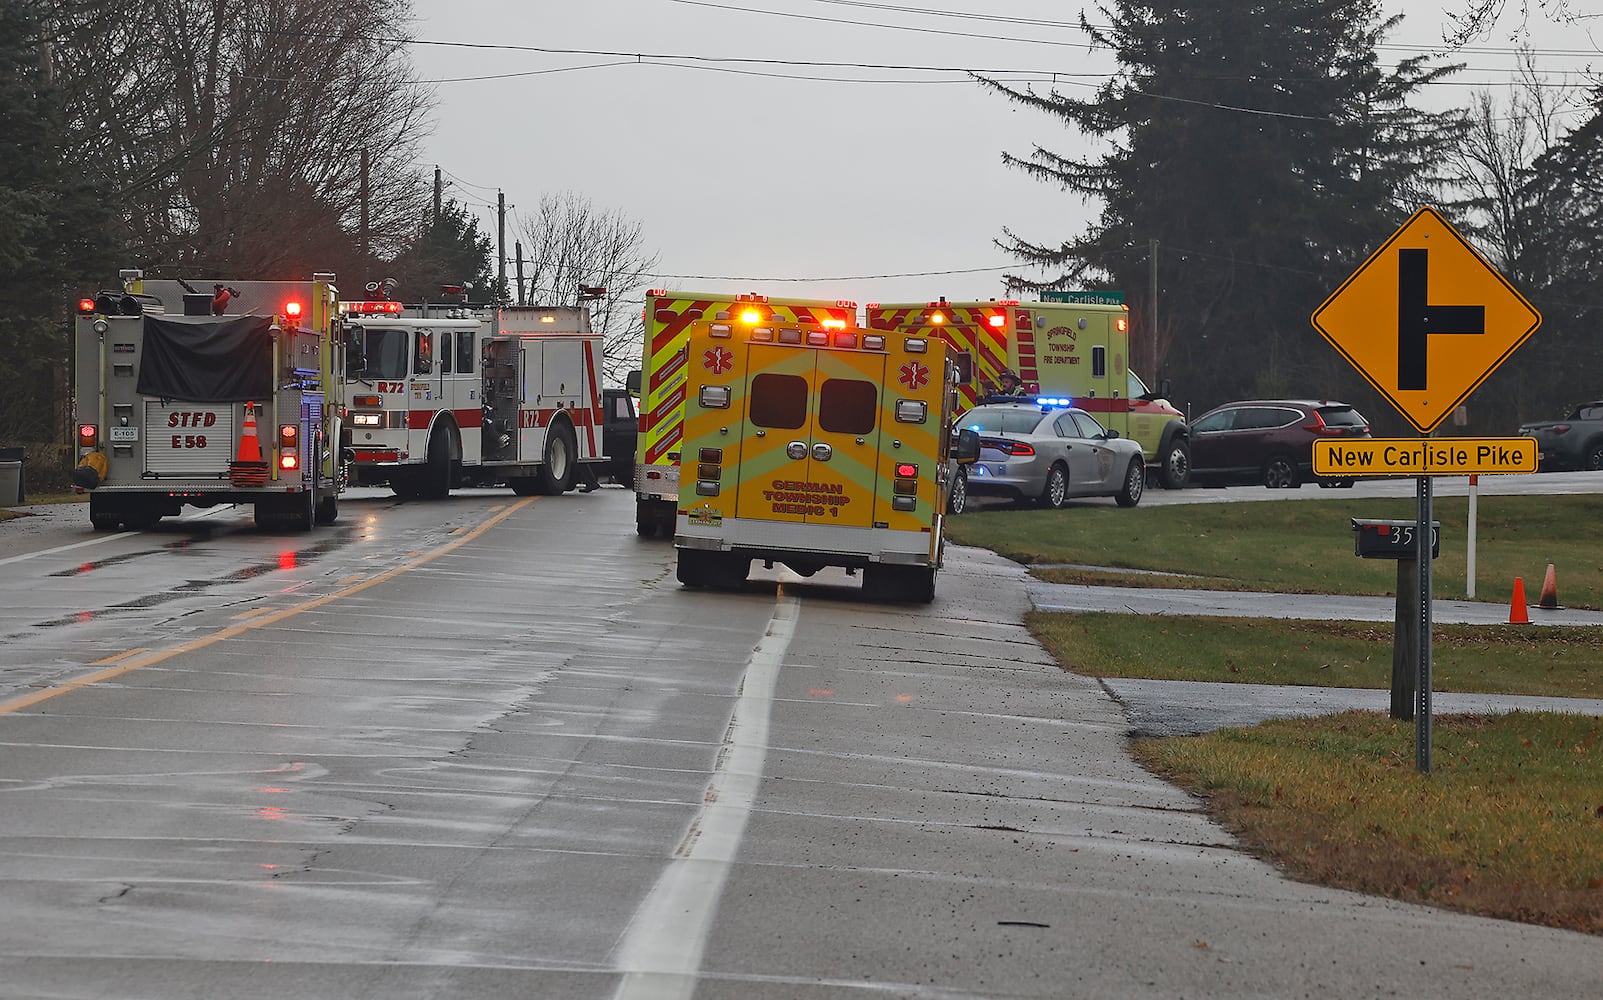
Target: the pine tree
(1267, 151)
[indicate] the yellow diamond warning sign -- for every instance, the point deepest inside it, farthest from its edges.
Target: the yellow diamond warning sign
(1426, 319)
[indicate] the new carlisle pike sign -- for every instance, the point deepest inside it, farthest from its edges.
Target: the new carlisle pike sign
(1353, 457)
(1426, 319)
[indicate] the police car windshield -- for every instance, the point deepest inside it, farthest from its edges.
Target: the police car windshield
(1011, 420)
(385, 352)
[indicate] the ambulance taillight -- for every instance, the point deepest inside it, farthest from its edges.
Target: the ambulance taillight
(905, 488)
(86, 306)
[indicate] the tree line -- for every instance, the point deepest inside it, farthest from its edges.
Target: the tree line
(261, 139)
(1250, 156)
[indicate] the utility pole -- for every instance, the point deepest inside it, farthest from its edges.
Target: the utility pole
(501, 244)
(439, 189)
(362, 233)
(1152, 310)
(519, 246)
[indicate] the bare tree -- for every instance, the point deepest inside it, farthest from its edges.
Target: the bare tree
(1477, 18)
(1493, 163)
(234, 131)
(568, 243)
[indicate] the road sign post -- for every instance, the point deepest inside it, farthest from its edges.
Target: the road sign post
(1426, 319)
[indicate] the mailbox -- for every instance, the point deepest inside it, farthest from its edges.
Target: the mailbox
(1392, 539)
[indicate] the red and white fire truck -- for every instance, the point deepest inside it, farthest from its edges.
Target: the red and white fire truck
(441, 397)
(227, 394)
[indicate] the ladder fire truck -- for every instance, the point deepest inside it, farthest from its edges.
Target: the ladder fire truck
(1077, 349)
(660, 383)
(228, 396)
(467, 396)
(816, 445)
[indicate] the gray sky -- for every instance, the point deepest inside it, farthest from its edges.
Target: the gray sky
(875, 185)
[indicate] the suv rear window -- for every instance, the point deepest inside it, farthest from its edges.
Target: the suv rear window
(1341, 416)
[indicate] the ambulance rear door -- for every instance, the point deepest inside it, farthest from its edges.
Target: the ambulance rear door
(811, 435)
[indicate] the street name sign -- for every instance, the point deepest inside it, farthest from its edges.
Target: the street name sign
(1423, 456)
(1426, 319)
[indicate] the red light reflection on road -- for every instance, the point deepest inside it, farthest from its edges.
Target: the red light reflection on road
(822, 692)
(85, 617)
(286, 560)
(272, 812)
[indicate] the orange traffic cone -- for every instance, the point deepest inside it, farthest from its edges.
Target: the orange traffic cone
(1516, 612)
(248, 470)
(250, 446)
(1549, 597)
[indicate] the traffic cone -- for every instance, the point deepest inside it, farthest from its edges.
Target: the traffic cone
(1516, 612)
(248, 470)
(250, 446)
(1549, 597)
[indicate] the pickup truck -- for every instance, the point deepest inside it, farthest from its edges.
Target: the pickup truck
(618, 431)
(1576, 442)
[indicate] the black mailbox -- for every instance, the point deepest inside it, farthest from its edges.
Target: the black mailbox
(1392, 539)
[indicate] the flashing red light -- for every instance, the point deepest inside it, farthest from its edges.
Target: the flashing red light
(937, 318)
(292, 310)
(907, 470)
(88, 435)
(1121, 324)
(86, 305)
(654, 292)
(373, 307)
(997, 320)
(289, 461)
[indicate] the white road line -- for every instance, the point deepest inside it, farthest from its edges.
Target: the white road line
(60, 548)
(660, 954)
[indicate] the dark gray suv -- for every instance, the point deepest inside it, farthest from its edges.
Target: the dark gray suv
(1268, 441)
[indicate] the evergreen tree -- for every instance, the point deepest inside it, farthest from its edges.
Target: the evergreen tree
(450, 250)
(53, 234)
(1267, 151)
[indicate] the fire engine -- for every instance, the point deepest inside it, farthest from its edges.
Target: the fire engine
(815, 445)
(443, 397)
(227, 396)
(660, 383)
(1077, 350)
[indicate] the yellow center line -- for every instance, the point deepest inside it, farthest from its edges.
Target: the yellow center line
(136, 658)
(119, 656)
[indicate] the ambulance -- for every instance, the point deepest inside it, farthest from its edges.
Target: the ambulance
(660, 382)
(1077, 349)
(225, 393)
(442, 397)
(816, 445)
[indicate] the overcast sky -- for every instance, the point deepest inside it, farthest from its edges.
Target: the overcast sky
(830, 180)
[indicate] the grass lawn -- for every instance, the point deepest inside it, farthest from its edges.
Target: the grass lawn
(1303, 546)
(1509, 823)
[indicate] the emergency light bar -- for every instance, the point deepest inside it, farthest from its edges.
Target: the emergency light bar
(371, 307)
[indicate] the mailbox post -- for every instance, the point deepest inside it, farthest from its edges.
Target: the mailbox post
(1399, 540)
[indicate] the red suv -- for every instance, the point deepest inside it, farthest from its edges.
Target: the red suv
(1268, 441)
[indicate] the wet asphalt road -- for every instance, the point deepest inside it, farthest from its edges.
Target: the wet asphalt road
(488, 748)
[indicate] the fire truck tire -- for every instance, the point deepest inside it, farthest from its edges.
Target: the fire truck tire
(524, 486)
(1056, 491)
(436, 474)
(101, 515)
(1175, 468)
(328, 510)
(559, 468)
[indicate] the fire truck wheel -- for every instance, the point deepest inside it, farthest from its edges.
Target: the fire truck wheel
(957, 501)
(436, 482)
(328, 510)
(102, 515)
(1176, 470)
(1135, 483)
(558, 470)
(524, 486)
(1056, 490)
